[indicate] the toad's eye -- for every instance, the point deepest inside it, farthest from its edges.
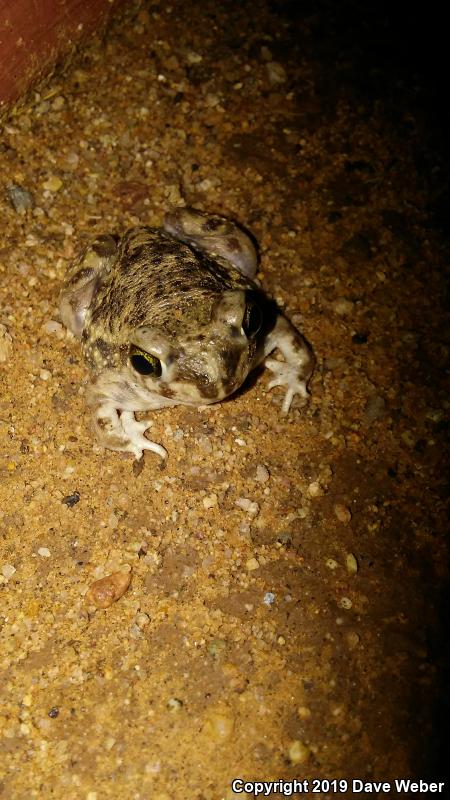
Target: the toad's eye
(252, 320)
(144, 363)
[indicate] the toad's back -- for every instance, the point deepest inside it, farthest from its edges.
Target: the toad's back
(161, 281)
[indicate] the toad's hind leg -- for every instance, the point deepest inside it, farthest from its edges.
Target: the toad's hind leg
(215, 235)
(82, 280)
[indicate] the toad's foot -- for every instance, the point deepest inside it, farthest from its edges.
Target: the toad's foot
(123, 432)
(287, 375)
(135, 431)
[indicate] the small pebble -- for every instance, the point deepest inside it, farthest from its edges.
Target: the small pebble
(343, 307)
(51, 326)
(353, 639)
(72, 160)
(174, 704)
(5, 345)
(269, 599)
(45, 374)
(8, 571)
(209, 501)
(331, 563)
(276, 73)
(304, 712)
(345, 602)
(315, 489)
(52, 184)
(374, 409)
(262, 473)
(247, 505)
(193, 57)
(299, 752)
(343, 513)
(53, 713)
(142, 620)
(110, 742)
(21, 199)
(44, 552)
(351, 564)
(106, 591)
(252, 564)
(58, 103)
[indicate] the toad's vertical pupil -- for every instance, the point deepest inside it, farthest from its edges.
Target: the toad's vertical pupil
(252, 320)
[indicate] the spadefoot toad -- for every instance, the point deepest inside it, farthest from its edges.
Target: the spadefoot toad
(174, 316)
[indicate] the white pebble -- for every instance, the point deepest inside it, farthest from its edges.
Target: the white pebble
(247, 505)
(209, 501)
(51, 326)
(44, 552)
(8, 571)
(45, 374)
(298, 752)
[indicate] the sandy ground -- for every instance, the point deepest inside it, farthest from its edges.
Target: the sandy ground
(283, 616)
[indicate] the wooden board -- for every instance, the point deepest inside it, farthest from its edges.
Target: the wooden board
(35, 34)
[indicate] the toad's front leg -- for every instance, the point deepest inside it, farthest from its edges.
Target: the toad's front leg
(113, 403)
(121, 431)
(296, 369)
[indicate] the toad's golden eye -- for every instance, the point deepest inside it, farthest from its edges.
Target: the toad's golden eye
(144, 363)
(252, 320)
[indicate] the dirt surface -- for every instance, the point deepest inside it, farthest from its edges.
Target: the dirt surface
(283, 618)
